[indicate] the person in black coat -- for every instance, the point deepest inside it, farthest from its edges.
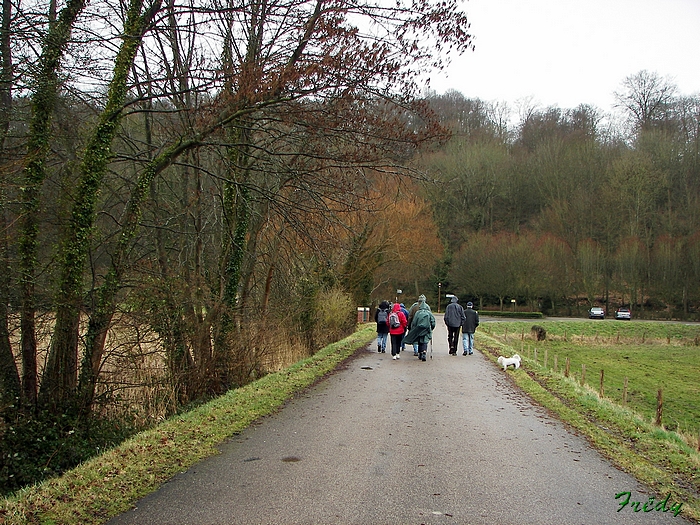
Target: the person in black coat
(469, 325)
(381, 316)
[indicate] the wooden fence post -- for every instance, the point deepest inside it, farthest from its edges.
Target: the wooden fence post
(659, 406)
(624, 393)
(545, 357)
(583, 374)
(602, 390)
(535, 355)
(566, 370)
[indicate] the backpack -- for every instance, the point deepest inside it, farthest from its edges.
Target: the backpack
(382, 316)
(394, 320)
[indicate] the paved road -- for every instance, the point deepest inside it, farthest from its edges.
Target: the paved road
(447, 441)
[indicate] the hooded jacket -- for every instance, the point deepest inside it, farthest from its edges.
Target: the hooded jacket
(402, 319)
(454, 314)
(382, 326)
(422, 326)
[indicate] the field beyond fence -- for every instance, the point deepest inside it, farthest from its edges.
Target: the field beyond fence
(645, 366)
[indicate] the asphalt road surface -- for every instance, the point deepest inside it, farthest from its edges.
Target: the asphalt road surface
(447, 441)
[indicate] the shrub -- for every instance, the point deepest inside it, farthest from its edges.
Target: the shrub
(41, 446)
(538, 332)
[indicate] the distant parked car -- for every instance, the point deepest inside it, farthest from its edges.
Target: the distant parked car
(596, 313)
(623, 313)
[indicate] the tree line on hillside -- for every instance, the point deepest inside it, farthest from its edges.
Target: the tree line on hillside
(184, 193)
(570, 208)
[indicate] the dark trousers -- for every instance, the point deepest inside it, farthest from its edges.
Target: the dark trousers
(396, 343)
(453, 338)
(422, 349)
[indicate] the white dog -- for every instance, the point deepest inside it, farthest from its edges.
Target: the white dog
(505, 362)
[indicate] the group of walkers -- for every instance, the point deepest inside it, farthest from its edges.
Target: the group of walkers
(466, 319)
(415, 327)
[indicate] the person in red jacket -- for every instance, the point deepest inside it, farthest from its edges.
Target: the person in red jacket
(397, 327)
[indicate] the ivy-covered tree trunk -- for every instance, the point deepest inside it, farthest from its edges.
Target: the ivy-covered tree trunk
(6, 73)
(60, 378)
(9, 375)
(106, 295)
(236, 203)
(43, 103)
(10, 385)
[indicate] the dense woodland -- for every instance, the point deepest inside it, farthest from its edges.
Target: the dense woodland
(572, 208)
(193, 195)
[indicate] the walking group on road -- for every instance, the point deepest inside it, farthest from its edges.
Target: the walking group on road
(415, 327)
(466, 319)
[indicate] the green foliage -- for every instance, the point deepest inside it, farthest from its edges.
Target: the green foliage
(323, 311)
(335, 315)
(37, 447)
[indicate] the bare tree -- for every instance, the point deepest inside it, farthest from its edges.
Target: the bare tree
(647, 97)
(299, 102)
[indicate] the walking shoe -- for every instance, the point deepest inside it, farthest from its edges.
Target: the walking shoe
(398, 356)
(471, 353)
(422, 357)
(393, 357)
(465, 353)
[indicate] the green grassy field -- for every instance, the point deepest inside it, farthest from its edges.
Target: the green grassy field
(651, 355)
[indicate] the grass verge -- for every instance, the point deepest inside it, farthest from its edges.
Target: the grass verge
(658, 458)
(111, 483)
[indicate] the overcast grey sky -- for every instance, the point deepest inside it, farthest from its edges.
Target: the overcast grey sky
(569, 52)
